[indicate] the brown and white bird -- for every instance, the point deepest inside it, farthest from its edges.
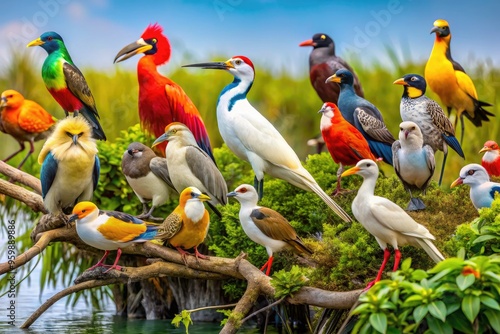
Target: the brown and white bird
(413, 162)
(491, 158)
(187, 226)
(266, 226)
(188, 165)
(147, 175)
(386, 221)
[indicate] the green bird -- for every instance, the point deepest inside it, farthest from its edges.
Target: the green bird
(66, 83)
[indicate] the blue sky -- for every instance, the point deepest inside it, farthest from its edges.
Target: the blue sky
(267, 31)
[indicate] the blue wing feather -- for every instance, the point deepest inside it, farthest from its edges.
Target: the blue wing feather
(495, 189)
(454, 144)
(48, 173)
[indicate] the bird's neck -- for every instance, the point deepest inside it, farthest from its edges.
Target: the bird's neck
(412, 92)
(441, 45)
(491, 156)
(367, 188)
(232, 93)
(321, 55)
(147, 71)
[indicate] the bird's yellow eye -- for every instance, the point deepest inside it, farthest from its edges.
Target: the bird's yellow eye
(323, 37)
(237, 62)
(154, 40)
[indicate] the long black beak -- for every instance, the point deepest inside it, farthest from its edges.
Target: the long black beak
(72, 218)
(139, 46)
(215, 65)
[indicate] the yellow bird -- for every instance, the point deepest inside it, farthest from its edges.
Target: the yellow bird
(187, 226)
(448, 80)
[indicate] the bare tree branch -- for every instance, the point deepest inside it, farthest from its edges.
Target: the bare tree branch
(17, 175)
(29, 198)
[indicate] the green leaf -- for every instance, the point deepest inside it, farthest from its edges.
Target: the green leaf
(437, 326)
(379, 322)
(470, 307)
(419, 275)
(451, 263)
(494, 319)
(413, 300)
(438, 310)
(406, 264)
(463, 282)
(490, 302)
(420, 312)
(460, 323)
(484, 238)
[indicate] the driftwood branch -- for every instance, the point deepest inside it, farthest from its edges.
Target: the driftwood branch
(17, 175)
(34, 201)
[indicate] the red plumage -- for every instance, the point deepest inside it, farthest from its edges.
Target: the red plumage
(491, 158)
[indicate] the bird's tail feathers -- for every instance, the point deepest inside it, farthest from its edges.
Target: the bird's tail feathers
(480, 114)
(329, 201)
(430, 249)
(97, 130)
(381, 150)
(452, 141)
(150, 233)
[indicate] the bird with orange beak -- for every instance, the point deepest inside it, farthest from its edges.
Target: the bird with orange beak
(491, 158)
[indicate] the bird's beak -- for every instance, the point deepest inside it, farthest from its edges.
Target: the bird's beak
(333, 78)
(214, 65)
(322, 110)
(232, 194)
(75, 139)
(351, 171)
(72, 218)
(434, 30)
(159, 140)
(484, 149)
(457, 182)
(406, 134)
(400, 81)
(309, 42)
(35, 42)
(139, 46)
(203, 197)
(131, 152)
(3, 102)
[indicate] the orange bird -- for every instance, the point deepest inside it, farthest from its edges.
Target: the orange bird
(162, 101)
(491, 158)
(346, 144)
(25, 120)
(448, 80)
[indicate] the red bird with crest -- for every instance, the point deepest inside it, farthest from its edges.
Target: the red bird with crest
(161, 100)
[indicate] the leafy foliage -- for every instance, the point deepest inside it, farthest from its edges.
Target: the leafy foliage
(185, 318)
(286, 283)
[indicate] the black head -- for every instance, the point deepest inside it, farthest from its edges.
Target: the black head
(322, 40)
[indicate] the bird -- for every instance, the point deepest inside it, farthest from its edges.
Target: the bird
(161, 100)
(266, 226)
(147, 174)
(323, 63)
(25, 121)
(491, 158)
(386, 221)
(437, 130)
(109, 230)
(482, 190)
(414, 162)
(70, 165)
(448, 80)
(187, 226)
(251, 137)
(188, 165)
(344, 142)
(364, 116)
(66, 83)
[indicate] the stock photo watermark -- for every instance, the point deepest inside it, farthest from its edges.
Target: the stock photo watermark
(11, 256)
(225, 6)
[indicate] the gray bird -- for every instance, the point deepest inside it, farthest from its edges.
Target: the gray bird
(413, 162)
(437, 130)
(147, 174)
(190, 166)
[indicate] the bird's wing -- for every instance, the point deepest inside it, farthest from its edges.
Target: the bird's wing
(456, 66)
(273, 224)
(372, 125)
(183, 110)
(78, 86)
(439, 118)
(391, 216)
(121, 227)
(494, 189)
(170, 226)
(431, 163)
(48, 173)
(396, 146)
(328, 92)
(465, 83)
(33, 118)
(207, 172)
(159, 168)
(96, 172)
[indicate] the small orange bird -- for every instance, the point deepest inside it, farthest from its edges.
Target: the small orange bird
(187, 226)
(25, 120)
(346, 144)
(491, 158)
(448, 80)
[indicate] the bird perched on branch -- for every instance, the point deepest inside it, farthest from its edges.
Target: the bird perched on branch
(344, 142)
(147, 174)
(364, 116)
(323, 63)
(188, 165)
(266, 226)
(437, 130)
(413, 162)
(162, 101)
(70, 165)
(482, 190)
(491, 158)
(448, 80)
(386, 221)
(66, 83)
(25, 121)
(109, 230)
(187, 226)
(253, 138)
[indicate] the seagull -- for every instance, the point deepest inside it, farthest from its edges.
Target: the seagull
(482, 190)
(413, 162)
(386, 221)
(266, 226)
(251, 137)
